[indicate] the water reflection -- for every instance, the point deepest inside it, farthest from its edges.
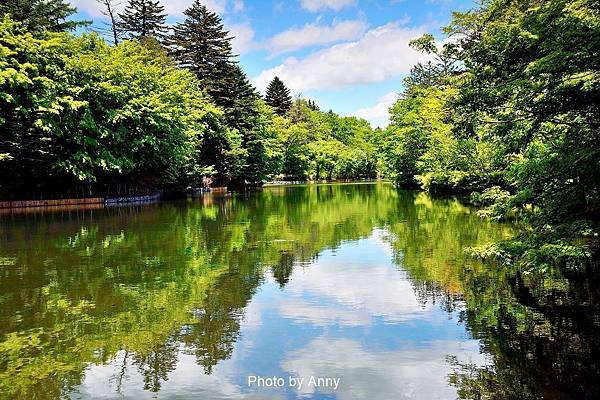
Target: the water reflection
(362, 282)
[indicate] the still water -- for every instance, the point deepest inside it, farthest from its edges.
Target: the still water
(361, 291)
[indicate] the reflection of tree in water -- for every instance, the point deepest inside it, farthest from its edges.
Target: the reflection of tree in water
(156, 365)
(540, 330)
(542, 335)
(120, 376)
(429, 292)
(134, 273)
(164, 261)
(212, 338)
(284, 268)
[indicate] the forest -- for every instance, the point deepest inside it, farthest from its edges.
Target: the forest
(158, 108)
(504, 113)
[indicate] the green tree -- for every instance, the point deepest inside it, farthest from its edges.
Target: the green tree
(143, 19)
(36, 15)
(79, 117)
(508, 112)
(323, 145)
(264, 156)
(413, 120)
(533, 86)
(201, 44)
(278, 96)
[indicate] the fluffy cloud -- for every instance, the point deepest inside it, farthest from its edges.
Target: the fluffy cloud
(243, 37)
(318, 5)
(378, 115)
(314, 34)
(90, 7)
(381, 53)
(315, 313)
(238, 5)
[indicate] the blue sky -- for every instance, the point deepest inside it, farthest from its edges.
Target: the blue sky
(347, 55)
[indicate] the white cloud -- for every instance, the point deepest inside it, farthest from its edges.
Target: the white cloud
(314, 34)
(381, 53)
(91, 7)
(378, 115)
(238, 5)
(318, 5)
(243, 37)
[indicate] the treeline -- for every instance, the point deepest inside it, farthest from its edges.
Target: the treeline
(507, 112)
(159, 108)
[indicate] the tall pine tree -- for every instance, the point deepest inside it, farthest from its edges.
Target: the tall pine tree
(143, 19)
(201, 44)
(278, 96)
(238, 98)
(36, 15)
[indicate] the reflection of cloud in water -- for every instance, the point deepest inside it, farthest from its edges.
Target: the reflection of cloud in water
(252, 316)
(317, 313)
(417, 373)
(187, 381)
(355, 291)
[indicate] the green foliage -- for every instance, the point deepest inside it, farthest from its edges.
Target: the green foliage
(497, 202)
(201, 45)
(77, 113)
(322, 145)
(417, 138)
(37, 15)
(512, 118)
(530, 84)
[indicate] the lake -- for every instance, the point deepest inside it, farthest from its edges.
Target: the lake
(344, 291)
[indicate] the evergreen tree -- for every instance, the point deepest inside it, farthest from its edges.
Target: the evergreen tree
(36, 15)
(312, 105)
(201, 44)
(237, 96)
(278, 96)
(143, 19)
